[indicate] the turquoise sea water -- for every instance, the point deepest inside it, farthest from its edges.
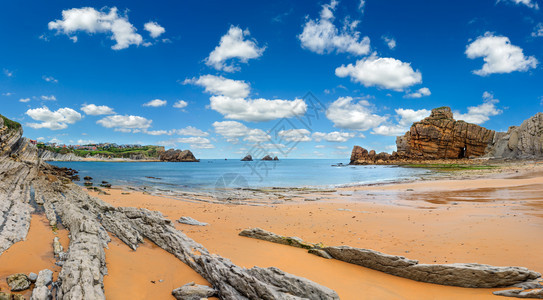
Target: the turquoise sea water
(211, 173)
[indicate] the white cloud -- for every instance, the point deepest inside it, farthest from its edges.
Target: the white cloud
(95, 110)
(24, 100)
(383, 72)
(8, 73)
(480, 113)
(55, 141)
(92, 21)
(85, 142)
(180, 104)
(156, 103)
(346, 114)
(189, 130)
(295, 135)
(7, 94)
(49, 98)
(154, 29)
(194, 142)
(389, 41)
(422, 92)
(322, 36)
(229, 99)
(529, 3)
(538, 30)
(335, 136)
(233, 131)
(50, 79)
(320, 146)
(362, 5)
(218, 85)
(54, 120)
(500, 55)
(233, 45)
(125, 123)
(404, 118)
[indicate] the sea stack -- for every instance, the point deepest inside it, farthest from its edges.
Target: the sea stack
(267, 157)
(247, 158)
(177, 156)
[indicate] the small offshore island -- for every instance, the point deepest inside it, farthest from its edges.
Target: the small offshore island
(84, 235)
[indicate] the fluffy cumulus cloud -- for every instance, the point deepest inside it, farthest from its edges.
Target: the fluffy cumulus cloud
(233, 131)
(358, 115)
(422, 92)
(193, 142)
(382, 72)
(529, 3)
(404, 119)
(154, 29)
(54, 120)
(499, 55)
(233, 45)
(480, 113)
(97, 110)
(156, 103)
(189, 131)
(390, 42)
(322, 36)
(91, 21)
(180, 104)
(229, 97)
(218, 85)
(295, 135)
(335, 136)
(125, 123)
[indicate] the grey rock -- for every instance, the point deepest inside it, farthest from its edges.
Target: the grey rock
(320, 252)
(192, 291)
(191, 221)
(261, 234)
(32, 276)
(18, 282)
(247, 158)
(534, 294)
(41, 293)
(45, 278)
(524, 141)
(57, 247)
(463, 275)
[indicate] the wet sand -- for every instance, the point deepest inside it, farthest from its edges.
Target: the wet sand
(492, 221)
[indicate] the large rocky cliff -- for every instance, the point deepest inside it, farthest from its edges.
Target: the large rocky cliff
(441, 137)
(177, 156)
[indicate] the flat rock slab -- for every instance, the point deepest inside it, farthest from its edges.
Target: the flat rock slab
(261, 234)
(191, 221)
(192, 291)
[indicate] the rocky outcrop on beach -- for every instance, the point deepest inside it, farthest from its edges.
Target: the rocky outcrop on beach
(173, 155)
(191, 221)
(247, 158)
(462, 275)
(192, 291)
(520, 142)
(25, 179)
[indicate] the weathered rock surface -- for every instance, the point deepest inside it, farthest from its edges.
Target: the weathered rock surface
(261, 234)
(9, 296)
(524, 141)
(533, 294)
(172, 155)
(47, 155)
(41, 291)
(32, 276)
(267, 157)
(45, 278)
(463, 275)
(191, 221)
(192, 291)
(247, 158)
(18, 282)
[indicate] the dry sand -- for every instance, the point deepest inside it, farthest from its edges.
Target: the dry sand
(492, 221)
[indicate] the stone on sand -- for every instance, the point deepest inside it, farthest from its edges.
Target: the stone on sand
(192, 291)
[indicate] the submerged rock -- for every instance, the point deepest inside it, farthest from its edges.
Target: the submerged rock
(192, 291)
(191, 221)
(18, 282)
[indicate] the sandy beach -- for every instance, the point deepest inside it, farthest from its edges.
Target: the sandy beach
(489, 220)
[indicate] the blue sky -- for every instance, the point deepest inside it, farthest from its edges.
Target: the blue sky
(225, 78)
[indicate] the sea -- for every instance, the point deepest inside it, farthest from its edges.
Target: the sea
(210, 174)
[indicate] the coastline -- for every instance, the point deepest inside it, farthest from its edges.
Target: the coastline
(448, 220)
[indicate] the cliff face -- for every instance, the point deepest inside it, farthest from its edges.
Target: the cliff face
(177, 156)
(47, 155)
(441, 137)
(524, 141)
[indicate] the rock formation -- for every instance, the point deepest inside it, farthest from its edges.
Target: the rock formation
(25, 180)
(275, 158)
(177, 156)
(192, 291)
(524, 141)
(47, 155)
(463, 275)
(267, 157)
(247, 158)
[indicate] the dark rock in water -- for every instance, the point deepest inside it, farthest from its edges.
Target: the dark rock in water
(18, 282)
(177, 156)
(87, 178)
(104, 182)
(87, 183)
(267, 157)
(276, 158)
(192, 291)
(106, 185)
(247, 158)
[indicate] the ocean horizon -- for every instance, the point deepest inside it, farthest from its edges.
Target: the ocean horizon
(209, 174)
